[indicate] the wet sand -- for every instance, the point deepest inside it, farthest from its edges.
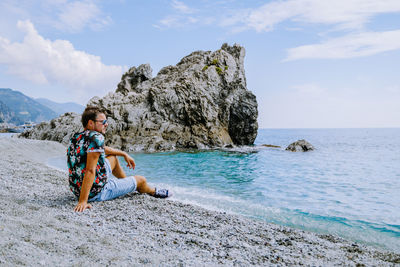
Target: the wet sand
(39, 227)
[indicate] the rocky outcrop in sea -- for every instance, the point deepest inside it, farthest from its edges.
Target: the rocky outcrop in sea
(59, 129)
(202, 102)
(300, 146)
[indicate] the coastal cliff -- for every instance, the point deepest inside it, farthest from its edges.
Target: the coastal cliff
(202, 102)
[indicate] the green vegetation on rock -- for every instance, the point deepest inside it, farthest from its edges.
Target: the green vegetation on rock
(219, 70)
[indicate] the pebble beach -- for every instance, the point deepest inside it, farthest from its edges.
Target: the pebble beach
(39, 227)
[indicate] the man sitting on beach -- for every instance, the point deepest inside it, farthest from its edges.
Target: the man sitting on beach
(91, 164)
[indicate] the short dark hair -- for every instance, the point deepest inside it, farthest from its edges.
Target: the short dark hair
(90, 113)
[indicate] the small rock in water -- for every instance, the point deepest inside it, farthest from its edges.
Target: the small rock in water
(300, 146)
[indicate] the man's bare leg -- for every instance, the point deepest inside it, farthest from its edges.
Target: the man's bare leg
(116, 167)
(141, 182)
(143, 187)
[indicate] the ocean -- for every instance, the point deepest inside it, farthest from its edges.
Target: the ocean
(348, 186)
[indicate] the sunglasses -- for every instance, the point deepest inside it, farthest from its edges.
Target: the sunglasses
(102, 121)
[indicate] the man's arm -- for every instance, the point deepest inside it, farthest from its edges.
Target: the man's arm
(116, 152)
(112, 151)
(90, 173)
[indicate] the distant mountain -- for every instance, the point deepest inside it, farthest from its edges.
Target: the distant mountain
(5, 113)
(18, 108)
(61, 108)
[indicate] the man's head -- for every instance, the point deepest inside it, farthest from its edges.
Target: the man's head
(94, 119)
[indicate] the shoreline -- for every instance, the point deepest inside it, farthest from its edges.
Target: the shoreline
(40, 227)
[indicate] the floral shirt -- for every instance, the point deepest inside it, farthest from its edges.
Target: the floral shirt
(81, 144)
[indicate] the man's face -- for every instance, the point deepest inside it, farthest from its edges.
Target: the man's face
(98, 124)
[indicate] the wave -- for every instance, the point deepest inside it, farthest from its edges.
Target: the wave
(376, 234)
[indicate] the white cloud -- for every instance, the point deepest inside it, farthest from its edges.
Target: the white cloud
(65, 15)
(57, 62)
(234, 19)
(346, 14)
(350, 16)
(265, 17)
(182, 16)
(75, 16)
(181, 7)
(342, 14)
(170, 21)
(349, 46)
(176, 21)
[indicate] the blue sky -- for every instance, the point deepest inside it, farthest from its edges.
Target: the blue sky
(311, 63)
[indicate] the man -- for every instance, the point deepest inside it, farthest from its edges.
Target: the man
(91, 163)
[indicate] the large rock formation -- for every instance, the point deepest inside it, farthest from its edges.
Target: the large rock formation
(202, 102)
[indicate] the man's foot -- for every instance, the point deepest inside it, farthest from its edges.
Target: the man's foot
(162, 193)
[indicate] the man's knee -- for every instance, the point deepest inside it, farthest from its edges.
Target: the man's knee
(140, 180)
(113, 161)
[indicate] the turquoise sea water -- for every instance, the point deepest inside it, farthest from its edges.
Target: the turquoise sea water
(348, 186)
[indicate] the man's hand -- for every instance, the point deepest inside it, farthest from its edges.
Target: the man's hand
(82, 206)
(130, 161)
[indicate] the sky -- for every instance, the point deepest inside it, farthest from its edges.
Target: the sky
(310, 63)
